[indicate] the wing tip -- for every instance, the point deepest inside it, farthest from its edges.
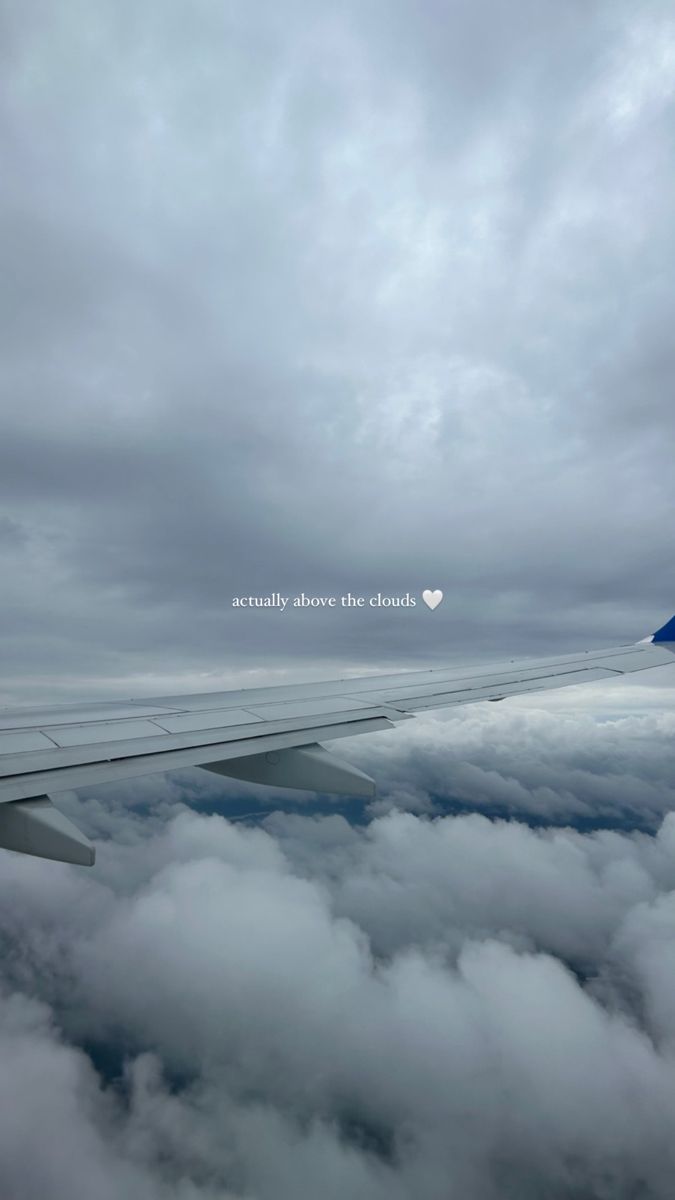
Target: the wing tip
(666, 633)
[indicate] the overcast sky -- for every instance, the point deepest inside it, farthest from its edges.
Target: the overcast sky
(365, 297)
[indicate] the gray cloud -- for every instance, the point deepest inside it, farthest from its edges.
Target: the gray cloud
(597, 754)
(299, 299)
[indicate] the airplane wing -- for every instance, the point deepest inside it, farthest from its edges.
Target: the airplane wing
(264, 735)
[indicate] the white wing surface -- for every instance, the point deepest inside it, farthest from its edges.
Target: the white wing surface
(267, 735)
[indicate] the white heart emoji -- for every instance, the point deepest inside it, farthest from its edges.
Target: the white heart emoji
(432, 599)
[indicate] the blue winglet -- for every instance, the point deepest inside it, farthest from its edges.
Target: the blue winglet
(666, 633)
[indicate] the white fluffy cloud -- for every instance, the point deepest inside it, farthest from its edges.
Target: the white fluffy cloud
(420, 1007)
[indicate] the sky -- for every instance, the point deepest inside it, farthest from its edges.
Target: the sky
(369, 298)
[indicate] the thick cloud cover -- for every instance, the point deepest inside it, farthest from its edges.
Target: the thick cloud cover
(422, 1007)
(297, 296)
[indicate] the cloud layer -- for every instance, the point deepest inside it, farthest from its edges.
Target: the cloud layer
(423, 1006)
(297, 298)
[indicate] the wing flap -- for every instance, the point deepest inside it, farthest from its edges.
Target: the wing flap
(161, 743)
(87, 774)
